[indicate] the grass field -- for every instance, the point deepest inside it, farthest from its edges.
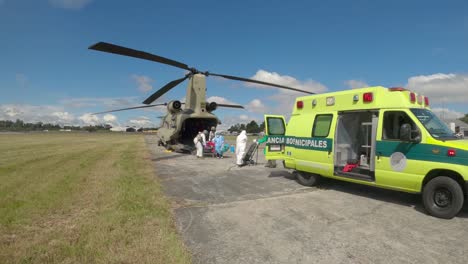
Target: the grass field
(83, 198)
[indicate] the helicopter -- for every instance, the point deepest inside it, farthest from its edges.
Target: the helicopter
(181, 124)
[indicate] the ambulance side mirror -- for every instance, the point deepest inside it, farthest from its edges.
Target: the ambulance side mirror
(406, 134)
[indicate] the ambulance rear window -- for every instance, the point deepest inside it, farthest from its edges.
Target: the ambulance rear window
(322, 125)
(275, 126)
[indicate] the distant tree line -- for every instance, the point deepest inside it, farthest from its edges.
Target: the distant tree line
(251, 127)
(20, 125)
(465, 118)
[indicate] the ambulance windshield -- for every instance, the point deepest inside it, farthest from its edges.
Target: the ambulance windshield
(433, 124)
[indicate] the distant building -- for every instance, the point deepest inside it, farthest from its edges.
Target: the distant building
(118, 129)
(457, 126)
(126, 129)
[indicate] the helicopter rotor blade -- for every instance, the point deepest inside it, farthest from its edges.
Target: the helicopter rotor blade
(164, 90)
(111, 48)
(259, 82)
(230, 106)
(128, 108)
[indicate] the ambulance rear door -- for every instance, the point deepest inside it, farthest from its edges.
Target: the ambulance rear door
(275, 128)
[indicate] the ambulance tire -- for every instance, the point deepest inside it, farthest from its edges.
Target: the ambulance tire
(443, 197)
(307, 179)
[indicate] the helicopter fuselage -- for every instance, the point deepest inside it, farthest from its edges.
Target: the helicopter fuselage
(178, 130)
(180, 126)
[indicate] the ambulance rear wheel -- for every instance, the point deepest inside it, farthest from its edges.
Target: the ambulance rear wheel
(443, 197)
(307, 179)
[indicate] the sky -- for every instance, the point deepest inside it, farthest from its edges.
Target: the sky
(48, 74)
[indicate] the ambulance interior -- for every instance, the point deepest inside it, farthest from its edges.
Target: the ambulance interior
(353, 145)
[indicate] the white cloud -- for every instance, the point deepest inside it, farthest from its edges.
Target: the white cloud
(64, 117)
(283, 104)
(143, 82)
(69, 4)
(273, 77)
(447, 114)
(11, 111)
(105, 104)
(284, 99)
(228, 121)
(89, 119)
(59, 115)
(141, 121)
(353, 84)
(109, 118)
(256, 106)
(244, 117)
(36, 113)
(219, 100)
(441, 87)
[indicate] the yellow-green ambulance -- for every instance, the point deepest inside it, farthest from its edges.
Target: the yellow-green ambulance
(384, 137)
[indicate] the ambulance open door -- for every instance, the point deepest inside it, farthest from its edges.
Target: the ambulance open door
(275, 129)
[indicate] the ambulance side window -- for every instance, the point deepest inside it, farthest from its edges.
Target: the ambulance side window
(392, 122)
(322, 125)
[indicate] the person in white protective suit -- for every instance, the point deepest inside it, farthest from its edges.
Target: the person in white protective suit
(212, 134)
(241, 144)
(199, 141)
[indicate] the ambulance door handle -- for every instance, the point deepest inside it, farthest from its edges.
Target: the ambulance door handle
(329, 153)
(378, 155)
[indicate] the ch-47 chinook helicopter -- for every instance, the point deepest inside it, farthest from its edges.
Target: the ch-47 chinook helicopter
(180, 125)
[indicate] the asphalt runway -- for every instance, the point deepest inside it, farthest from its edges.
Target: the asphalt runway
(254, 214)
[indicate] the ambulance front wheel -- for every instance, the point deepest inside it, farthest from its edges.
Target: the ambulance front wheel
(307, 179)
(443, 197)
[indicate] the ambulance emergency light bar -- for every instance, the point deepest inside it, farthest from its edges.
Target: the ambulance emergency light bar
(368, 97)
(412, 95)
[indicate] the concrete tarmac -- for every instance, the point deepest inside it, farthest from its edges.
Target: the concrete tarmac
(254, 214)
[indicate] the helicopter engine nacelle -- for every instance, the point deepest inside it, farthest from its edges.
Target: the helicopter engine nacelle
(210, 107)
(174, 106)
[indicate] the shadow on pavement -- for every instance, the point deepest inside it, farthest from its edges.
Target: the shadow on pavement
(384, 195)
(169, 157)
(283, 173)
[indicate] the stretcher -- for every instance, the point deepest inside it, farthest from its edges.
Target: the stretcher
(248, 158)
